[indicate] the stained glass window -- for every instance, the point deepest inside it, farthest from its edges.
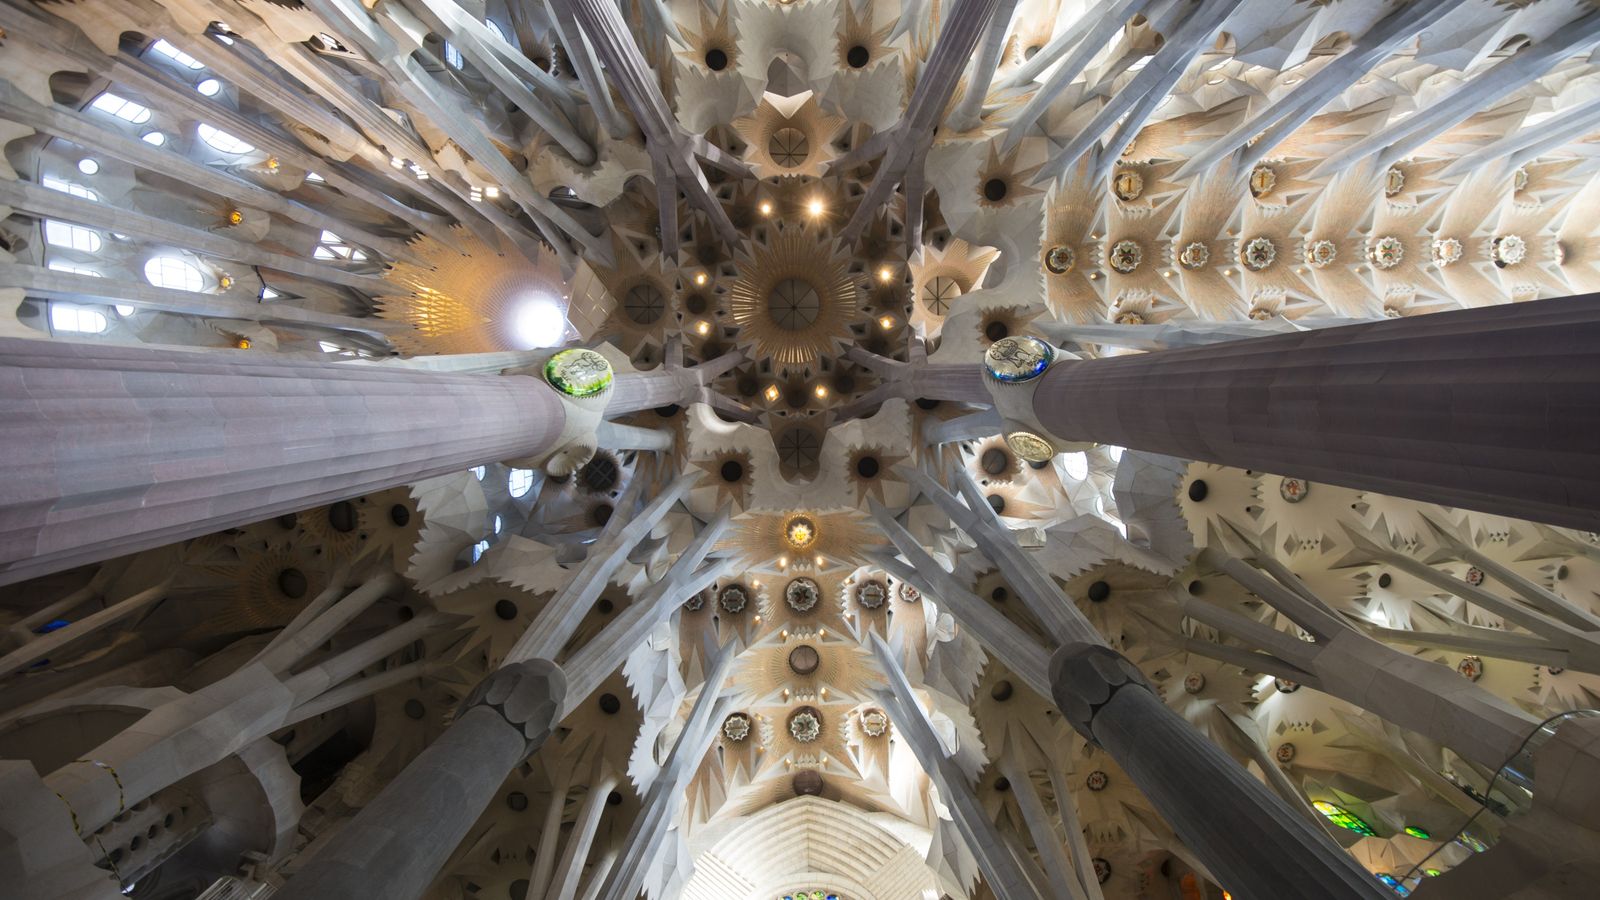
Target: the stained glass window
(1343, 818)
(1394, 884)
(812, 895)
(1416, 832)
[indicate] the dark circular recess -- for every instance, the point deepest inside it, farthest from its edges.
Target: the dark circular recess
(1385, 580)
(1002, 783)
(808, 783)
(115, 855)
(999, 595)
(609, 704)
(694, 304)
(794, 304)
(1002, 691)
(857, 57)
(516, 801)
(1198, 490)
(804, 659)
(927, 403)
(844, 383)
(292, 583)
(400, 515)
(152, 831)
(868, 467)
(994, 461)
(732, 470)
(747, 386)
(716, 59)
(644, 304)
(170, 818)
(136, 843)
(1099, 592)
(406, 613)
(614, 799)
(1197, 587)
(601, 514)
(287, 521)
(668, 411)
(605, 606)
(414, 709)
(505, 609)
(600, 474)
(994, 331)
(997, 503)
(342, 516)
(1561, 573)
(518, 890)
(995, 189)
(796, 396)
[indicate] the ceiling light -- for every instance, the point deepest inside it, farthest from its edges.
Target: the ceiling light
(885, 274)
(886, 322)
(88, 166)
(703, 327)
(814, 207)
(397, 162)
(700, 278)
(492, 191)
(822, 391)
(766, 207)
(773, 393)
(539, 322)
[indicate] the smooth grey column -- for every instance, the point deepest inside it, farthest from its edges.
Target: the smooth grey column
(396, 845)
(1488, 409)
(1246, 835)
(108, 450)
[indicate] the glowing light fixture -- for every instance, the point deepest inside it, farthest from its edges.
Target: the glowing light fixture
(886, 322)
(822, 391)
(773, 393)
(766, 207)
(814, 207)
(703, 327)
(800, 532)
(700, 278)
(885, 274)
(539, 322)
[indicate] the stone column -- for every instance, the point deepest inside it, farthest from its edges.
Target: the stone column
(396, 845)
(1488, 409)
(108, 449)
(1250, 839)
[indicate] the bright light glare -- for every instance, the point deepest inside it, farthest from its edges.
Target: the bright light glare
(1076, 465)
(814, 207)
(539, 322)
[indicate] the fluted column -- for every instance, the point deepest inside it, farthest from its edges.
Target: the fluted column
(1247, 836)
(109, 449)
(1489, 409)
(396, 845)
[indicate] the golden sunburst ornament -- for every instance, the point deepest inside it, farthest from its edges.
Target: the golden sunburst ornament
(794, 299)
(800, 532)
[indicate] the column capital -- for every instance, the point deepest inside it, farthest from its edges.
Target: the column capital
(526, 694)
(1084, 677)
(1012, 370)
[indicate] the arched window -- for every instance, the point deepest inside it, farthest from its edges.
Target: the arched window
(334, 247)
(1076, 465)
(153, 138)
(452, 56)
(122, 108)
(57, 265)
(519, 482)
(480, 471)
(209, 87)
(222, 140)
(498, 31)
(1343, 818)
(67, 187)
(172, 272)
(72, 237)
(478, 550)
(80, 319)
(178, 56)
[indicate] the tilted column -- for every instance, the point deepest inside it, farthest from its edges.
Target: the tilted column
(1488, 409)
(396, 845)
(1248, 837)
(109, 449)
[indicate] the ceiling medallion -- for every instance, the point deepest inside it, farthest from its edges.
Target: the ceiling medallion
(875, 722)
(1446, 250)
(795, 298)
(1286, 752)
(1029, 446)
(1018, 359)
(909, 594)
(802, 594)
(1471, 667)
(1519, 179)
(1260, 314)
(1258, 253)
(695, 603)
(1320, 253)
(1125, 256)
(578, 372)
(733, 598)
(805, 725)
(1386, 252)
(1394, 181)
(1102, 869)
(1508, 250)
(808, 895)
(1194, 255)
(1194, 682)
(1262, 181)
(1097, 781)
(1129, 317)
(1060, 259)
(736, 727)
(1128, 185)
(800, 532)
(1285, 686)
(1475, 576)
(1293, 490)
(872, 594)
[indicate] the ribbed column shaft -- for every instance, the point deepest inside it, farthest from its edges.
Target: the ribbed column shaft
(109, 449)
(1489, 409)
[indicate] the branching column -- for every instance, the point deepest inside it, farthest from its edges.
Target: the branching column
(109, 450)
(1488, 409)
